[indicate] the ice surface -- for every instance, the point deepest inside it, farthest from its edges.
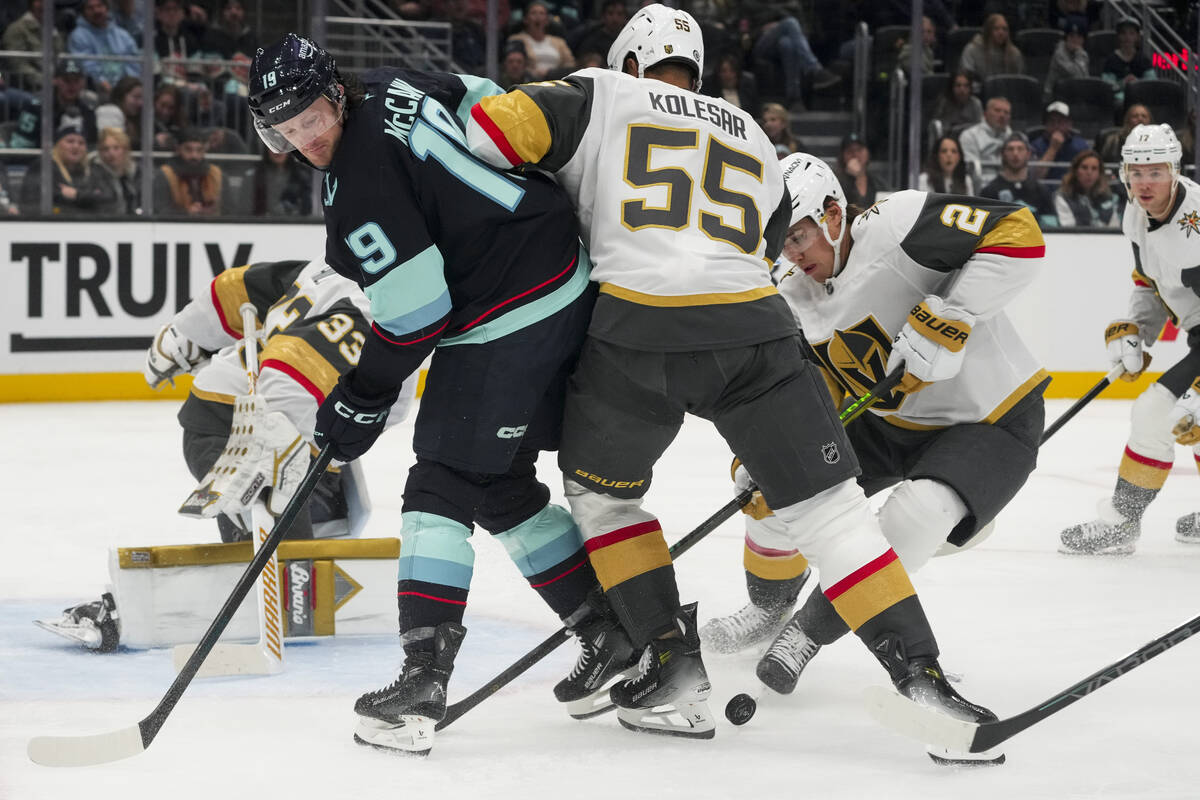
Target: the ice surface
(1017, 619)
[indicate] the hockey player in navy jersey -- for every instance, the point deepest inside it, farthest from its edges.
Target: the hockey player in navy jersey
(1162, 215)
(920, 279)
(483, 270)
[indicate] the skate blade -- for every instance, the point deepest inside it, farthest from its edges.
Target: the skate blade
(595, 704)
(688, 720)
(89, 636)
(413, 735)
(1187, 538)
(957, 758)
(1114, 550)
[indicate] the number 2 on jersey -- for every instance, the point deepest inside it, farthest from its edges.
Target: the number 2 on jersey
(676, 215)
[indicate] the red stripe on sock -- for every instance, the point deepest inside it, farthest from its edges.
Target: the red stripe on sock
(767, 551)
(1149, 462)
(431, 597)
(621, 535)
(556, 577)
(860, 574)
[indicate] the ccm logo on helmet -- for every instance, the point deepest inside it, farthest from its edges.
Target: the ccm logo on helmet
(358, 416)
(284, 104)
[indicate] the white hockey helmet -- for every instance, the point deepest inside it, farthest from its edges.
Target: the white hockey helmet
(809, 181)
(1151, 144)
(657, 34)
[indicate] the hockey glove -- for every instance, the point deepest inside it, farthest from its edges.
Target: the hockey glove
(169, 355)
(931, 344)
(757, 507)
(1124, 341)
(351, 423)
(1186, 416)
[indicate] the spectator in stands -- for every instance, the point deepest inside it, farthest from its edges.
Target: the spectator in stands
(1014, 184)
(779, 38)
(929, 62)
(854, 173)
(514, 66)
(468, 42)
(173, 40)
(982, 142)
(1084, 200)
(74, 187)
(1057, 142)
(734, 84)
(549, 56)
(115, 167)
(991, 51)
(124, 110)
(1127, 63)
(1109, 144)
(566, 16)
(946, 170)
(25, 33)
(7, 206)
(957, 106)
(95, 34)
(189, 184)
(169, 116)
(599, 36)
(130, 15)
(1070, 59)
(280, 187)
(69, 109)
(777, 124)
(230, 39)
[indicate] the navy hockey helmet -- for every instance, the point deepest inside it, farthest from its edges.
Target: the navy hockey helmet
(286, 78)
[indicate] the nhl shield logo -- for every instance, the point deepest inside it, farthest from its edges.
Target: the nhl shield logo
(830, 453)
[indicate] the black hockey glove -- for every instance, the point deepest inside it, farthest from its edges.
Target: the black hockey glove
(351, 423)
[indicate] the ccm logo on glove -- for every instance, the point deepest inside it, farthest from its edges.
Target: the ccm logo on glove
(949, 334)
(359, 417)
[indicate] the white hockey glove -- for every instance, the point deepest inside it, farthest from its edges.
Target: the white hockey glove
(1185, 416)
(264, 449)
(1124, 341)
(171, 354)
(757, 507)
(931, 343)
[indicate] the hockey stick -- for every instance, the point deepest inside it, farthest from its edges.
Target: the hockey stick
(101, 748)
(935, 728)
(456, 710)
(265, 657)
(1091, 395)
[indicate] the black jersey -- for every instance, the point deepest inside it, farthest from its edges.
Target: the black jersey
(449, 249)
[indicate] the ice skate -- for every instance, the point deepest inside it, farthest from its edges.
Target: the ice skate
(1187, 528)
(780, 667)
(1110, 535)
(605, 655)
(925, 684)
(401, 717)
(752, 624)
(670, 692)
(95, 625)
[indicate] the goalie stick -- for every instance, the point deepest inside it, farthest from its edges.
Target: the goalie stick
(101, 748)
(1091, 395)
(551, 643)
(934, 728)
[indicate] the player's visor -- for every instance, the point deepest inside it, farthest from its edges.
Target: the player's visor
(295, 133)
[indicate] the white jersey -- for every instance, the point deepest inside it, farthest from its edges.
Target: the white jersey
(679, 195)
(314, 324)
(975, 253)
(1166, 260)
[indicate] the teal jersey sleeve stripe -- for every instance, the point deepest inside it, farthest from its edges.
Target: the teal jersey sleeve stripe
(411, 286)
(477, 88)
(526, 315)
(421, 318)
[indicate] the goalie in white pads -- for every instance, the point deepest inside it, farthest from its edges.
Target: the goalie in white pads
(313, 326)
(1162, 216)
(920, 279)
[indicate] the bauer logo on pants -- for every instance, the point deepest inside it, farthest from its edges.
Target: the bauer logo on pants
(830, 453)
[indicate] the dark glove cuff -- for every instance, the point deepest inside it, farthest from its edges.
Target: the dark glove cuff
(368, 398)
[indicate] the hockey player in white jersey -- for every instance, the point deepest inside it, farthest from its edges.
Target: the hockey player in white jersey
(1162, 216)
(313, 326)
(683, 209)
(920, 279)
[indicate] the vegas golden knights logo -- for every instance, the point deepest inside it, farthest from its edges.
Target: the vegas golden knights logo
(857, 359)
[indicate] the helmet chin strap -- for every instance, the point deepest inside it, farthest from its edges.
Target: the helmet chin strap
(836, 243)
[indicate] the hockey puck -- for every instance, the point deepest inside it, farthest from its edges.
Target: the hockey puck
(740, 709)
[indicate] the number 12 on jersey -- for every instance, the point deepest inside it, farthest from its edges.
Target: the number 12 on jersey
(677, 213)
